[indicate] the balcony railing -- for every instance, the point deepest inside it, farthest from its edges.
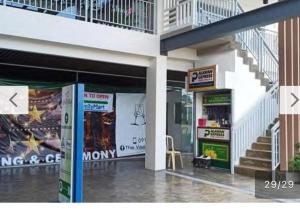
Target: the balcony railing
(262, 44)
(136, 15)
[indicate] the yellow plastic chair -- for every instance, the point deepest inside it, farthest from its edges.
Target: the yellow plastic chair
(172, 153)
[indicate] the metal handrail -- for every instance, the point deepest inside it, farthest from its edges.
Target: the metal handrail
(136, 15)
(254, 124)
(275, 139)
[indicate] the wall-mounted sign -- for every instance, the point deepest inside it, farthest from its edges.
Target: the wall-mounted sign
(216, 151)
(216, 99)
(98, 102)
(211, 133)
(202, 79)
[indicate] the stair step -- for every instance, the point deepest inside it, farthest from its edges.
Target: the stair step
(259, 153)
(264, 139)
(262, 146)
(257, 162)
(263, 173)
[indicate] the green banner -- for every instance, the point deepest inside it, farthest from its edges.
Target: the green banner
(217, 99)
(216, 151)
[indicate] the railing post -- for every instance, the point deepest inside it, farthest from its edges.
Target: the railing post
(194, 12)
(86, 8)
(91, 10)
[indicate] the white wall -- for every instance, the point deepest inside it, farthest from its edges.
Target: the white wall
(225, 61)
(233, 74)
(247, 90)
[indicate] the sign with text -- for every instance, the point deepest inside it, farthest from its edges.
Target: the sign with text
(67, 144)
(98, 102)
(211, 133)
(216, 99)
(216, 151)
(202, 79)
(130, 124)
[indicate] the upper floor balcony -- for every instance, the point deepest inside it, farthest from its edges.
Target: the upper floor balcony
(138, 15)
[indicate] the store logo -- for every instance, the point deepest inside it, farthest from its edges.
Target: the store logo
(139, 115)
(66, 118)
(122, 147)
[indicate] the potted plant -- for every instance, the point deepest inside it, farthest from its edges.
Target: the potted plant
(294, 165)
(298, 147)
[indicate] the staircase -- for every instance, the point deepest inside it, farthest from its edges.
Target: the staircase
(258, 157)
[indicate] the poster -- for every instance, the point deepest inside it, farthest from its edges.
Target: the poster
(216, 151)
(67, 144)
(33, 138)
(130, 124)
(202, 79)
(99, 135)
(98, 102)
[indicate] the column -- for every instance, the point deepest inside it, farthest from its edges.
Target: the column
(156, 101)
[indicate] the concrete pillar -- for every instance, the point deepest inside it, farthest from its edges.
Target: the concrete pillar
(156, 101)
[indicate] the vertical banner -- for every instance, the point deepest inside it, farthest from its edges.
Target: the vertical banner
(67, 144)
(130, 124)
(70, 178)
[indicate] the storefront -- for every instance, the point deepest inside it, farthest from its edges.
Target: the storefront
(213, 119)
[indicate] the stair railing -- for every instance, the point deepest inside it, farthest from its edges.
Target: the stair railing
(263, 48)
(275, 138)
(138, 15)
(254, 124)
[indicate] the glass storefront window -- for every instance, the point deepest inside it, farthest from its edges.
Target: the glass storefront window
(180, 118)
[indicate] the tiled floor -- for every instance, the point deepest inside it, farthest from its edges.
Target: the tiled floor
(122, 181)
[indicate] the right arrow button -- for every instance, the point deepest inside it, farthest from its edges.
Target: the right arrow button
(296, 99)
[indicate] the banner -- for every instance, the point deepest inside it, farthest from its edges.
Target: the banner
(33, 138)
(99, 135)
(98, 102)
(216, 151)
(67, 144)
(130, 124)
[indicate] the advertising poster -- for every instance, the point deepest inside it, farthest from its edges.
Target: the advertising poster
(67, 140)
(216, 151)
(130, 124)
(98, 102)
(33, 138)
(99, 135)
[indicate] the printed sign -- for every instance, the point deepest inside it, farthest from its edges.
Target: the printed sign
(216, 151)
(130, 124)
(98, 102)
(67, 144)
(211, 133)
(217, 99)
(33, 138)
(202, 79)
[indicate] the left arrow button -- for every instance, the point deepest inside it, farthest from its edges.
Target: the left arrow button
(12, 101)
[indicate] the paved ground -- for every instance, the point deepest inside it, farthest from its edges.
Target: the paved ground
(125, 181)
